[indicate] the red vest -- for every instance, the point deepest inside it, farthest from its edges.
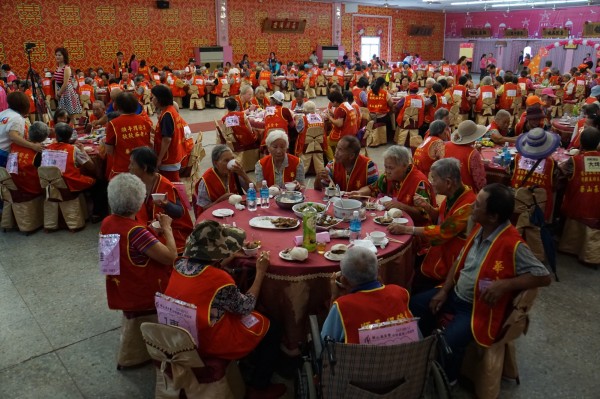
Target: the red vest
(302, 135)
(218, 90)
(176, 90)
(228, 338)
(377, 103)
(276, 121)
(465, 106)
(144, 71)
(27, 179)
(498, 264)
(511, 91)
(422, 159)
(265, 102)
(72, 175)
(182, 227)
(408, 187)
(440, 258)
(358, 176)
(576, 142)
(135, 287)
(199, 82)
(582, 195)
(289, 174)
(488, 91)
(356, 93)
(362, 308)
(215, 186)
(266, 76)
(242, 106)
(415, 101)
(349, 127)
(176, 151)
(543, 180)
(48, 87)
(463, 154)
(130, 132)
(243, 135)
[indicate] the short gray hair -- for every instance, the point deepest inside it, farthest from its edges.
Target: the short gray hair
(437, 127)
(447, 168)
(359, 266)
(88, 81)
(277, 134)
(260, 89)
(502, 114)
(400, 154)
(246, 88)
(38, 132)
(309, 107)
(126, 194)
(486, 81)
(217, 152)
(440, 114)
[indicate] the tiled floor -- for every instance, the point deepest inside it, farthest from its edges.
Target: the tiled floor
(58, 339)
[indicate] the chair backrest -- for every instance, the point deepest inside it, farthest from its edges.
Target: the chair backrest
(172, 346)
(369, 371)
(6, 185)
(517, 321)
(52, 181)
(225, 90)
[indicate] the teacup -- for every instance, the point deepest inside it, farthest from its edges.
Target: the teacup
(377, 237)
(291, 186)
(156, 197)
(331, 191)
(231, 164)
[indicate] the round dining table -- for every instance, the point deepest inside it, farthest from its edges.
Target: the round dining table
(293, 290)
(564, 127)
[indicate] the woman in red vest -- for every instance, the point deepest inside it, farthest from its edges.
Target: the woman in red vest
(144, 265)
(169, 136)
(379, 102)
(260, 99)
(343, 119)
(226, 321)
(220, 181)
(279, 167)
(239, 124)
(25, 175)
(461, 148)
(432, 148)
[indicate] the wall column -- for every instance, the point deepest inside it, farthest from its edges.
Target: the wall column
(336, 19)
(222, 27)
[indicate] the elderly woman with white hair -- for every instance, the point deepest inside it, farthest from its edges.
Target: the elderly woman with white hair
(279, 167)
(220, 181)
(486, 100)
(260, 99)
(358, 298)
(143, 264)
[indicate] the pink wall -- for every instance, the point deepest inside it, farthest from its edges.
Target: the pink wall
(534, 20)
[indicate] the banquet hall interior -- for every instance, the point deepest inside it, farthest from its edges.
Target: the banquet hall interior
(58, 337)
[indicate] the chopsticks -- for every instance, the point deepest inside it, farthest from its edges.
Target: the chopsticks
(396, 241)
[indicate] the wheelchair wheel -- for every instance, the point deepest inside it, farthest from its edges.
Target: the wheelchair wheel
(304, 384)
(439, 382)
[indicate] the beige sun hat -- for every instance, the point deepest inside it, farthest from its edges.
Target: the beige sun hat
(468, 132)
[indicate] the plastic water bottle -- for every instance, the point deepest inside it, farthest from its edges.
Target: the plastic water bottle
(264, 195)
(251, 198)
(355, 227)
(309, 228)
(506, 158)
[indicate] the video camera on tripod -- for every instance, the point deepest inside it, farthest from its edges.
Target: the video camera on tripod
(39, 99)
(29, 46)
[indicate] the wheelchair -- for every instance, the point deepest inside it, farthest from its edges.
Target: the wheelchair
(333, 370)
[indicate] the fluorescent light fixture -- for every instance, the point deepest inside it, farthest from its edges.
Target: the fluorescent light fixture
(538, 3)
(467, 3)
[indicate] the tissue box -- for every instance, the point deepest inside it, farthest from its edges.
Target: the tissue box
(323, 236)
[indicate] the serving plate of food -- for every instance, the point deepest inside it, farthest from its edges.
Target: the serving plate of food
(325, 222)
(336, 253)
(274, 223)
(384, 220)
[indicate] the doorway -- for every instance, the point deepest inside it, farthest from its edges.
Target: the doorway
(369, 46)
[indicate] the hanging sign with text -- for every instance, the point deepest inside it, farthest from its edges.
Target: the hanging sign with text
(516, 33)
(591, 29)
(284, 25)
(476, 32)
(555, 32)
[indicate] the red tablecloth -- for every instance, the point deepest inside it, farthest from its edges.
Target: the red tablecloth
(564, 129)
(293, 290)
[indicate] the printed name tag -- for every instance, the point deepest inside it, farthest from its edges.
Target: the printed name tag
(527, 164)
(199, 82)
(55, 158)
(523, 86)
(109, 254)
(591, 164)
(314, 118)
(580, 82)
(486, 94)
(393, 334)
(249, 320)
(457, 93)
(232, 121)
(85, 93)
(415, 103)
(444, 100)
(269, 111)
(511, 93)
(174, 312)
(12, 164)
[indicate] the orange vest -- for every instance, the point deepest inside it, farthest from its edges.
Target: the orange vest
(440, 258)
(313, 77)
(242, 106)
(349, 127)
(361, 308)
(302, 76)
(356, 179)
(377, 103)
(156, 78)
(356, 93)
(289, 173)
(463, 154)
(176, 151)
(214, 186)
(99, 81)
(113, 86)
(228, 338)
(243, 135)
(582, 195)
(135, 287)
(265, 75)
(498, 264)
(182, 227)
(543, 180)
(88, 91)
(465, 106)
(80, 82)
(265, 102)
(201, 84)
(416, 101)
(422, 159)
(218, 90)
(48, 87)
(27, 179)
(130, 132)
(75, 180)
(484, 91)
(235, 86)
(302, 135)
(275, 121)
(410, 184)
(339, 76)
(144, 71)
(511, 91)
(494, 126)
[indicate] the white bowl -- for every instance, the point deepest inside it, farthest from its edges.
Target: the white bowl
(290, 186)
(344, 208)
(251, 251)
(159, 196)
(319, 207)
(377, 236)
(155, 225)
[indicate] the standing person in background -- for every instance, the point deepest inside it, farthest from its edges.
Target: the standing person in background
(491, 59)
(134, 65)
(66, 96)
(588, 60)
(272, 62)
(245, 63)
(482, 66)
(119, 65)
(313, 58)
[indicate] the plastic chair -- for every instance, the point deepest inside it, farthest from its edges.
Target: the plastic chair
(247, 156)
(176, 355)
(408, 133)
(220, 99)
(25, 213)
(60, 200)
(375, 135)
(312, 153)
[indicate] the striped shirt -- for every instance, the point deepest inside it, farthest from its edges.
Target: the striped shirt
(140, 241)
(59, 75)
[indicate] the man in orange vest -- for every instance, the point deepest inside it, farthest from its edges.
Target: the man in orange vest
(493, 267)
(358, 298)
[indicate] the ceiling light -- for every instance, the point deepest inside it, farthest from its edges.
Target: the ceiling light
(540, 3)
(466, 3)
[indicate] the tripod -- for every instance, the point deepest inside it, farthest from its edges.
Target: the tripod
(39, 98)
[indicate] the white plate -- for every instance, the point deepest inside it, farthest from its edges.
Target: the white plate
(221, 213)
(381, 244)
(333, 257)
(286, 256)
(264, 222)
(376, 219)
(400, 220)
(324, 228)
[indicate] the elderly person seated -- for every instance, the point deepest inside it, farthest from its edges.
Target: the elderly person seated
(461, 148)
(477, 292)
(144, 264)
(358, 298)
(239, 124)
(277, 117)
(279, 167)
(260, 99)
(447, 235)
(533, 117)
(143, 164)
(28, 160)
(98, 111)
(580, 209)
(343, 120)
(226, 321)
(12, 128)
(432, 148)
(244, 99)
(349, 169)
(310, 119)
(220, 181)
(498, 129)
